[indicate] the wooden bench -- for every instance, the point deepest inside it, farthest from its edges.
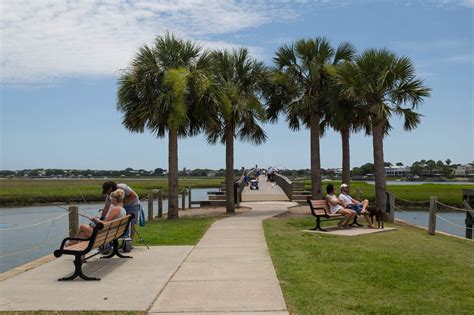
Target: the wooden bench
(102, 234)
(320, 210)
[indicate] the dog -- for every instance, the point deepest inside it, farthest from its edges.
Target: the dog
(378, 214)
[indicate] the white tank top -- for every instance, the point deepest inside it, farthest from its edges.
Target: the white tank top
(122, 212)
(336, 208)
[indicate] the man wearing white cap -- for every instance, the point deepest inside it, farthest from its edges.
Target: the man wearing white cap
(358, 206)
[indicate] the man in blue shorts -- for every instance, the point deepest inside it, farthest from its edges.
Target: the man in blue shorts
(360, 207)
(131, 202)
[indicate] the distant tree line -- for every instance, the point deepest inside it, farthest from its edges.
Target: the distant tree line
(422, 168)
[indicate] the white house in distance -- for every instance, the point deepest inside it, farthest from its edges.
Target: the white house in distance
(463, 170)
(397, 171)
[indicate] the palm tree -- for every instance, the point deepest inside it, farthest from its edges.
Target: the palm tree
(153, 95)
(298, 87)
(342, 114)
(235, 109)
(383, 83)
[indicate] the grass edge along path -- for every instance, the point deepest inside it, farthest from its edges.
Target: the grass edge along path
(185, 231)
(405, 271)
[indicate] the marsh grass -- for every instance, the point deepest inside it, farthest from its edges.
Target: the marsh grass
(446, 193)
(405, 271)
(23, 192)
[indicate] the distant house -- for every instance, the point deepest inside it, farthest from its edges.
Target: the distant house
(211, 174)
(463, 170)
(397, 171)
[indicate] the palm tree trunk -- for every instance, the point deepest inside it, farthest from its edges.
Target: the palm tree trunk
(173, 174)
(229, 171)
(315, 158)
(346, 159)
(379, 167)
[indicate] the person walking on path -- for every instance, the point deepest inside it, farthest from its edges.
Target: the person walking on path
(336, 206)
(360, 207)
(131, 202)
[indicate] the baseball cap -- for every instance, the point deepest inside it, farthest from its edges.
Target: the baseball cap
(344, 186)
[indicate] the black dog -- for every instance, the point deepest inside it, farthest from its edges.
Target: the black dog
(378, 214)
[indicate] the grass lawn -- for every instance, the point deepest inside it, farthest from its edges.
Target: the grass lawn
(398, 272)
(184, 231)
(446, 193)
(23, 192)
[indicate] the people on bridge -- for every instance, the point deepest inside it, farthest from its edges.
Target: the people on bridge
(257, 171)
(270, 174)
(336, 206)
(246, 179)
(360, 207)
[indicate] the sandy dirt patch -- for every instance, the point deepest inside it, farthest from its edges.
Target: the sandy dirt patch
(210, 212)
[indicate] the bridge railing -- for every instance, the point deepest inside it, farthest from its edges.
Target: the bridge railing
(285, 183)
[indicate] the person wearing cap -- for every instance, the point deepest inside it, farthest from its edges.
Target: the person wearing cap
(131, 202)
(358, 206)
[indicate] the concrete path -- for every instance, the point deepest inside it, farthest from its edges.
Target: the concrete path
(267, 191)
(229, 271)
(126, 284)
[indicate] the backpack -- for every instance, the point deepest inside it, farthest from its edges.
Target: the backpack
(141, 217)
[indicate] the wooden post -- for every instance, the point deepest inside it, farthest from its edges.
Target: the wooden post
(183, 199)
(392, 208)
(150, 206)
(357, 194)
(469, 219)
(237, 200)
(160, 204)
(389, 207)
(432, 216)
(189, 197)
(73, 220)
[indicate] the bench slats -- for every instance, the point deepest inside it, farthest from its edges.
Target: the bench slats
(111, 231)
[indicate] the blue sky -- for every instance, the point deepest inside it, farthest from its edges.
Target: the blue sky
(60, 60)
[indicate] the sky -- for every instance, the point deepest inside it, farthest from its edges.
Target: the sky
(60, 62)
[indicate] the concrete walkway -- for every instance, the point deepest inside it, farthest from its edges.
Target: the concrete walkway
(229, 271)
(126, 284)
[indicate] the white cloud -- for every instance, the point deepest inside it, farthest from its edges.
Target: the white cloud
(50, 39)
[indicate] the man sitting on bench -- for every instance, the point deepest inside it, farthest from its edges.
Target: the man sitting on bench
(360, 207)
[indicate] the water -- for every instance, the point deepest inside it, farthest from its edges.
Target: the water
(455, 226)
(21, 246)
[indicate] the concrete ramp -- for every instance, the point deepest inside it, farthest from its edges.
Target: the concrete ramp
(268, 191)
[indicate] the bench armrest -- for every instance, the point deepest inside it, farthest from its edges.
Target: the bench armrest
(72, 239)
